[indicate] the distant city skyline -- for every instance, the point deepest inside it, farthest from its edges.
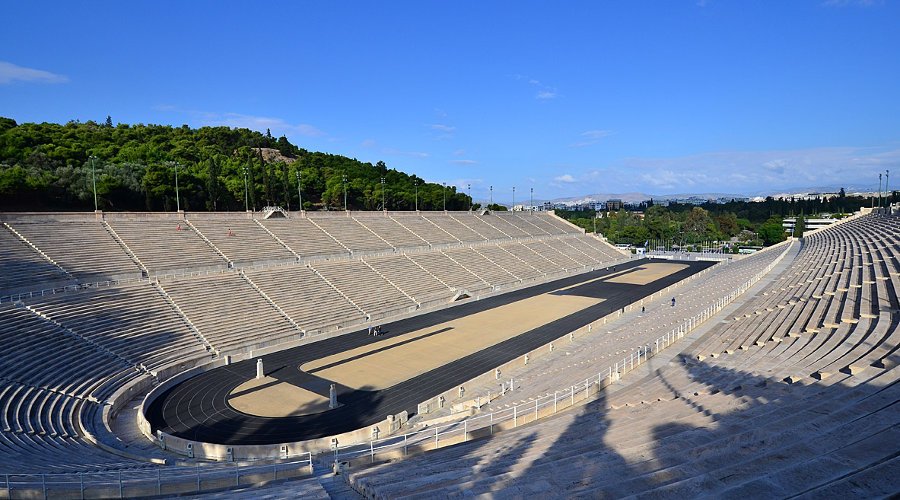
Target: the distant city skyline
(568, 99)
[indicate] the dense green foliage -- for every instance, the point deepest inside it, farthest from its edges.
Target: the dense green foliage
(660, 223)
(692, 226)
(750, 223)
(48, 166)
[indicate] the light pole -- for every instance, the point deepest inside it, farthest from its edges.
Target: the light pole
(492, 198)
(177, 198)
(887, 177)
(416, 184)
(246, 190)
(383, 206)
(94, 179)
(299, 192)
(514, 198)
(532, 200)
(344, 179)
(879, 190)
(445, 197)
(469, 188)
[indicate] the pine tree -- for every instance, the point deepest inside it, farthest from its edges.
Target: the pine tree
(799, 226)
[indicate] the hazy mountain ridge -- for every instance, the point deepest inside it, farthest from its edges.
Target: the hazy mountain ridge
(635, 197)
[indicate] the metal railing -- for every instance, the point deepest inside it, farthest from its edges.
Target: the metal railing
(150, 481)
(69, 288)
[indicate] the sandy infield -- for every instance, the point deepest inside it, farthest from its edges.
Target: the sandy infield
(395, 359)
(269, 397)
(367, 367)
(647, 273)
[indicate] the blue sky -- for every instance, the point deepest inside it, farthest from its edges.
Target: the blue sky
(569, 98)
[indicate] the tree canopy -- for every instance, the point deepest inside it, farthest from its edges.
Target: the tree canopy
(48, 166)
(751, 223)
(681, 227)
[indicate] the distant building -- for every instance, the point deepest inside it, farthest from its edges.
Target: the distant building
(614, 205)
(810, 224)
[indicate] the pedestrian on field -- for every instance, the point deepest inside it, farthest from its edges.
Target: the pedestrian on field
(673, 301)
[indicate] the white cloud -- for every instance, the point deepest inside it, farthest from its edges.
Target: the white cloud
(463, 184)
(590, 137)
(278, 126)
(595, 134)
(441, 131)
(733, 172)
(755, 171)
(442, 128)
(411, 154)
(565, 182)
(852, 3)
(10, 73)
(368, 143)
(459, 152)
(544, 92)
(464, 162)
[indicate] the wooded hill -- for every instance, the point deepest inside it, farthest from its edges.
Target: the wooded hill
(48, 166)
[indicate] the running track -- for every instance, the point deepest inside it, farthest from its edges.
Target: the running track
(197, 409)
